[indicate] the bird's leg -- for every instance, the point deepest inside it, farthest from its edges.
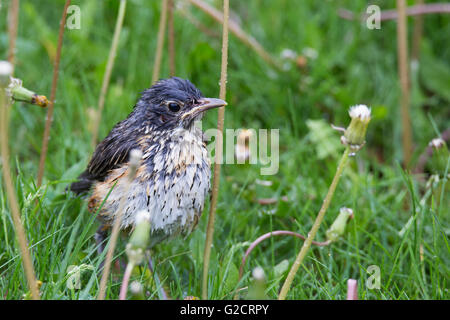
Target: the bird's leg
(100, 240)
(161, 292)
(100, 237)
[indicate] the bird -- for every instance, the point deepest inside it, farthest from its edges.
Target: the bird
(172, 181)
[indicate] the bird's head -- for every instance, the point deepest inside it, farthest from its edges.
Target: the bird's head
(175, 102)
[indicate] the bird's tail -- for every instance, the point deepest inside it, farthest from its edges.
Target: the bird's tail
(84, 183)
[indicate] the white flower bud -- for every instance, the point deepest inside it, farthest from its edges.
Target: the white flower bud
(355, 133)
(258, 274)
(135, 160)
(360, 111)
(437, 143)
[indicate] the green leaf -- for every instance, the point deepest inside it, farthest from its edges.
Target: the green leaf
(281, 268)
(324, 138)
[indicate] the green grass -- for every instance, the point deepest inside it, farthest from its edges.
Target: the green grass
(354, 65)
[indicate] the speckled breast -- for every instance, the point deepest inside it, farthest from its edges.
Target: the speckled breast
(172, 184)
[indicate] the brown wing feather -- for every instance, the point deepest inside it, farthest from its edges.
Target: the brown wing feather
(113, 151)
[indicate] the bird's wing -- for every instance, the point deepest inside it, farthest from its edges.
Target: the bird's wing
(113, 151)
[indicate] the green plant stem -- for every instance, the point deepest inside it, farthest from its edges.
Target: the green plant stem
(312, 233)
(12, 199)
(402, 53)
(219, 152)
(108, 70)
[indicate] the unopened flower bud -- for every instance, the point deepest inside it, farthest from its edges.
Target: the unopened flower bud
(18, 93)
(437, 143)
(258, 274)
(139, 238)
(439, 157)
(136, 291)
(258, 286)
(135, 160)
(338, 227)
(355, 134)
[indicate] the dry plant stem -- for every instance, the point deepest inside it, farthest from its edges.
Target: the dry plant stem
(417, 10)
(171, 33)
(108, 70)
(312, 233)
(11, 196)
(237, 31)
(13, 23)
(402, 50)
(417, 34)
(219, 152)
(125, 281)
(113, 239)
(50, 108)
(269, 235)
(160, 43)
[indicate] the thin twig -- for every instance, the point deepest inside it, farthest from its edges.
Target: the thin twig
(430, 8)
(50, 108)
(171, 34)
(402, 47)
(219, 151)
(237, 31)
(269, 235)
(13, 23)
(11, 196)
(108, 70)
(160, 43)
(311, 234)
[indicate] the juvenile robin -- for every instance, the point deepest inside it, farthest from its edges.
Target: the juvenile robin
(173, 179)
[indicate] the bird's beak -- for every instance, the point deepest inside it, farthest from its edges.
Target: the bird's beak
(210, 103)
(205, 104)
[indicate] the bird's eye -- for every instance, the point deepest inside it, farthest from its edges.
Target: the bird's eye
(173, 106)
